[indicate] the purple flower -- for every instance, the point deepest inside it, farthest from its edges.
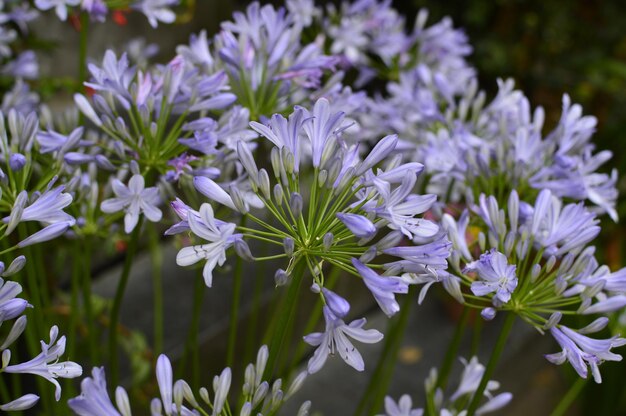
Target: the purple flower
(10, 306)
(220, 235)
(322, 127)
(94, 399)
(495, 275)
(400, 206)
(359, 225)
(284, 132)
(157, 10)
(404, 407)
(114, 76)
(562, 229)
(46, 363)
(60, 6)
(165, 379)
(582, 351)
(133, 199)
(22, 403)
(383, 288)
(334, 340)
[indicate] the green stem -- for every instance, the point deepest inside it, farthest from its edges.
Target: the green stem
(82, 58)
(234, 312)
(86, 286)
(453, 348)
(117, 303)
(491, 365)
(283, 317)
(156, 255)
(191, 344)
(379, 381)
(252, 330)
(569, 397)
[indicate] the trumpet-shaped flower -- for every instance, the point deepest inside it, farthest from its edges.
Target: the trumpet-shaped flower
(220, 235)
(94, 399)
(582, 351)
(495, 275)
(46, 363)
(383, 288)
(133, 199)
(335, 340)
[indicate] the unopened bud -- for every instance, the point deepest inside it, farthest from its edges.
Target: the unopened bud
(264, 183)
(321, 177)
(289, 246)
(295, 204)
(277, 166)
(278, 194)
(281, 277)
(243, 250)
(328, 240)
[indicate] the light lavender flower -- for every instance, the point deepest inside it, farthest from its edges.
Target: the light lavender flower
(134, 199)
(334, 340)
(383, 288)
(46, 363)
(94, 399)
(60, 6)
(157, 10)
(220, 235)
(582, 351)
(495, 275)
(404, 407)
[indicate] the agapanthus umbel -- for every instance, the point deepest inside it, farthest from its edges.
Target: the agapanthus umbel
(536, 262)
(268, 68)
(358, 208)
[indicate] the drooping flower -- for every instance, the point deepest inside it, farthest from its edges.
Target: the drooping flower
(383, 288)
(134, 199)
(582, 351)
(157, 10)
(335, 340)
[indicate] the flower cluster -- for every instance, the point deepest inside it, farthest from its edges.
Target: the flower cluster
(536, 262)
(177, 398)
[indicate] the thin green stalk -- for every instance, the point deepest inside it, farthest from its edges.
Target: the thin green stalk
(252, 330)
(283, 317)
(476, 336)
(569, 397)
(388, 369)
(156, 255)
(191, 343)
(117, 303)
(234, 312)
(491, 365)
(377, 387)
(92, 333)
(453, 349)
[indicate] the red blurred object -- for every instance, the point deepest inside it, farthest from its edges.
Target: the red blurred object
(119, 17)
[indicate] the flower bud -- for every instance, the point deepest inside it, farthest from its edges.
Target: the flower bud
(289, 246)
(281, 277)
(264, 183)
(328, 240)
(295, 204)
(243, 250)
(488, 314)
(17, 161)
(277, 165)
(278, 194)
